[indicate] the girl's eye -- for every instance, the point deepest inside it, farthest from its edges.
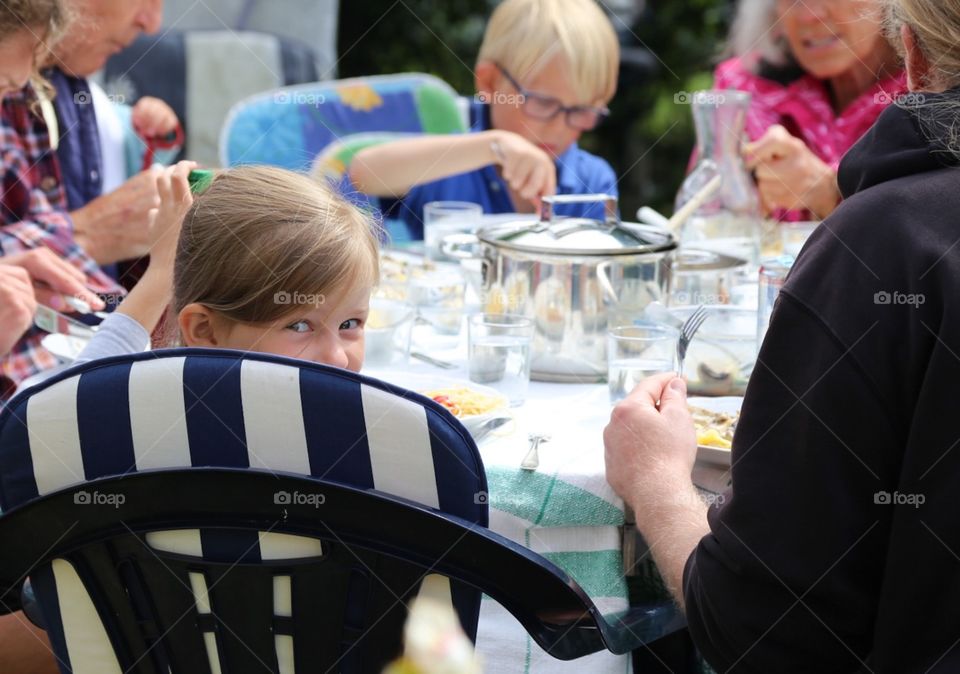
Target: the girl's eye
(351, 324)
(299, 326)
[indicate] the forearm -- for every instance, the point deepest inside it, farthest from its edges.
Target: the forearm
(391, 169)
(148, 300)
(672, 522)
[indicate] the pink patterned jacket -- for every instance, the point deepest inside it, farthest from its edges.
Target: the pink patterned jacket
(804, 108)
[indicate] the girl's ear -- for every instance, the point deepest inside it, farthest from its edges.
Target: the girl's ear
(486, 77)
(197, 326)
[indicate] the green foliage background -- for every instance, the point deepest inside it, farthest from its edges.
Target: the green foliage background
(648, 137)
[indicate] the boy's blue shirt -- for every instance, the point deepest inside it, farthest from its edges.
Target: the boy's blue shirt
(578, 172)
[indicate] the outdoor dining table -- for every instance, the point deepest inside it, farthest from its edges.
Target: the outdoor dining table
(564, 510)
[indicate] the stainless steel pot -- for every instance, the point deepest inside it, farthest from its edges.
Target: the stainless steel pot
(574, 277)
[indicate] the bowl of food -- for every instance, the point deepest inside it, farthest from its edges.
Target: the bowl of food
(473, 405)
(387, 330)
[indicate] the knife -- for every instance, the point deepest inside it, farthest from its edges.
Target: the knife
(54, 322)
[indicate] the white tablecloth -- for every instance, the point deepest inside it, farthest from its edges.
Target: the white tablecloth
(565, 510)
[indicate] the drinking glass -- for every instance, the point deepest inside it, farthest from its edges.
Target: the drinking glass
(499, 353)
(635, 352)
(441, 218)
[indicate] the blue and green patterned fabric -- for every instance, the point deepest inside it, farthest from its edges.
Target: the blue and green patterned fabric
(289, 127)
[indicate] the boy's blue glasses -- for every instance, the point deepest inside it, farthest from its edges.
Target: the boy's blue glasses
(540, 106)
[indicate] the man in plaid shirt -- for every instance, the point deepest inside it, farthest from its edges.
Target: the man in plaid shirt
(33, 203)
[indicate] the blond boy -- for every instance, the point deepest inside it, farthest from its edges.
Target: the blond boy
(546, 71)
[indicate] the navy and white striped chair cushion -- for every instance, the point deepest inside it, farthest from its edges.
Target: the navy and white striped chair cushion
(203, 407)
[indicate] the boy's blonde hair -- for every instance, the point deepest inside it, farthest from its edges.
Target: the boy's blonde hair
(524, 35)
(262, 241)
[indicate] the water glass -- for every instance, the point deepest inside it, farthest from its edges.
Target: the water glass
(635, 352)
(442, 218)
(499, 353)
(795, 234)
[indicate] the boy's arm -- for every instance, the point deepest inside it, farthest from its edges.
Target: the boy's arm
(391, 169)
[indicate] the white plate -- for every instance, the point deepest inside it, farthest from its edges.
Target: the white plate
(717, 456)
(423, 382)
(65, 347)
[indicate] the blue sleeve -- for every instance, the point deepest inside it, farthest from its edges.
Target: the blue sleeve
(408, 209)
(606, 179)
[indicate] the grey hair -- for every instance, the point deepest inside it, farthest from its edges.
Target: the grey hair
(754, 31)
(936, 27)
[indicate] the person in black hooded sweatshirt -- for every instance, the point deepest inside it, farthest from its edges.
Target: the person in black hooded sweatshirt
(837, 548)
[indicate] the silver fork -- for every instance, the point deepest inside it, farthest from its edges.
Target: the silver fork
(687, 331)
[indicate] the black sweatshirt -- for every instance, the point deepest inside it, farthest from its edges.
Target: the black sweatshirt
(839, 549)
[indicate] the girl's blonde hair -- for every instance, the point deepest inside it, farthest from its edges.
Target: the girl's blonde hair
(524, 35)
(45, 19)
(262, 241)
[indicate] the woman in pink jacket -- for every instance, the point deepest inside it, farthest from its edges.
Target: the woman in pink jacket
(820, 73)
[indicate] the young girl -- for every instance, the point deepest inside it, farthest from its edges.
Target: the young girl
(267, 260)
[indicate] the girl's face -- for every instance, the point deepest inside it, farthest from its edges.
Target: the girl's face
(17, 55)
(328, 330)
(830, 38)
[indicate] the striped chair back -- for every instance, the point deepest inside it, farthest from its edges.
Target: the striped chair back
(218, 408)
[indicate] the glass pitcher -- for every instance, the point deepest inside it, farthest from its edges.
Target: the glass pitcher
(729, 222)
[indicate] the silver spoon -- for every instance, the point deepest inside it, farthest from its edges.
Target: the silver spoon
(532, 460)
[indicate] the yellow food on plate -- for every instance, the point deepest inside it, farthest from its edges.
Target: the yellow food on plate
(714, 429)
(465, 402)
(712, 438)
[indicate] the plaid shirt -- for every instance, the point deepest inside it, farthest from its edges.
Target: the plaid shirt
(33, 213)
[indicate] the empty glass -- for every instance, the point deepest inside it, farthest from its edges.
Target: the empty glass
(439, 298)
(499, 353)
(635, 352)
(441, 218)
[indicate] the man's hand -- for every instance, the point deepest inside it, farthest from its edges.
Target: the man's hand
(57, 278)
(528, 170)
(651, 447)
(650, 441)
(117, 226)
(153, 118)
(790, 175)
(17, 306)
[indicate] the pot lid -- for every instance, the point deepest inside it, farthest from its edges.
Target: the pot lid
(579, 236)
(694, 260)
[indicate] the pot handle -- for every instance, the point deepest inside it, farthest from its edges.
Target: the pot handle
(609, 211)
(603, 280)
(461, 246)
